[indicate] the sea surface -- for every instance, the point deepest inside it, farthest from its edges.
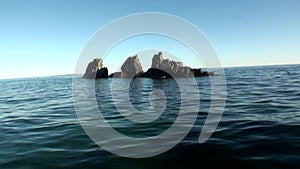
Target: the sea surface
(260, 127)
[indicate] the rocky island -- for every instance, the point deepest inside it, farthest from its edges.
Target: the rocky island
(160, 69)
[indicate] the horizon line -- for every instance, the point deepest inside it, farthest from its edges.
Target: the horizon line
(71, 74)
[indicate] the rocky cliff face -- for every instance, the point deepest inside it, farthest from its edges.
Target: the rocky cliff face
(130, 68)
(157, 60)
(164, 68)
(92, 68)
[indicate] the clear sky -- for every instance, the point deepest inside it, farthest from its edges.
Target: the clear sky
(41, 38)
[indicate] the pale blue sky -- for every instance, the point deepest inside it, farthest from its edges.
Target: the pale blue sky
(40, 38)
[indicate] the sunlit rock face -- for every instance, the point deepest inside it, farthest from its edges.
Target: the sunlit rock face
(93, 68)
(165, 68)
(132, 67)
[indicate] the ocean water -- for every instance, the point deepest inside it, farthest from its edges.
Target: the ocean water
(260, 127)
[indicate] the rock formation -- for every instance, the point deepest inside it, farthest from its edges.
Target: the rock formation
(160, 68)
(95, 70)
(102, 73)
(164, 68)
(130, 68)
(92, 68)
(157, 60)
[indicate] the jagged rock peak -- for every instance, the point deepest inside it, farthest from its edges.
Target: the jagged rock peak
(92, 68)
(174, 69)
(157, 60)
(132, 66)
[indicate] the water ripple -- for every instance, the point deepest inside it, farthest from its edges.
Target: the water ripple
(260, 127)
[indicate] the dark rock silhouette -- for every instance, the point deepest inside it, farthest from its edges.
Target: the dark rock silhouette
(102, 73)
(199, 73)
(156, 74)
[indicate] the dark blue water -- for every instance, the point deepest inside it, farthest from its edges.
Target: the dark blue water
(260, 127)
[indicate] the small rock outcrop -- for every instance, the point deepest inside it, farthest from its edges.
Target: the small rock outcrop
(102, 73)
(199, 73)
(156, 74)
(132, 65)
(130, 68)
(93, 68)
